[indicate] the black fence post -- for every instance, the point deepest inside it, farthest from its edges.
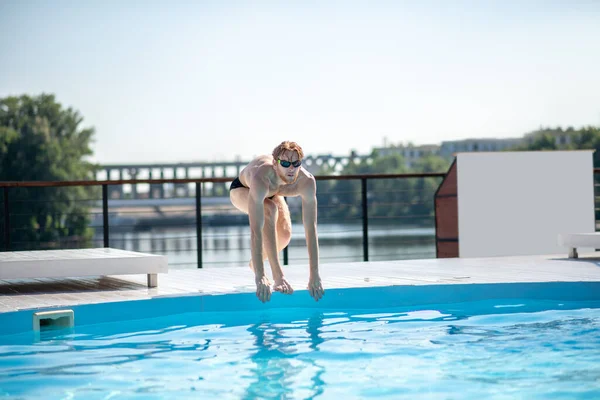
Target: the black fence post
(105, 225)
(365, 219)
(199, 223)
(6, 220)
(285, 255)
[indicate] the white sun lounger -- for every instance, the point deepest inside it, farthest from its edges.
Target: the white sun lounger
(81, 262)
(573, 241)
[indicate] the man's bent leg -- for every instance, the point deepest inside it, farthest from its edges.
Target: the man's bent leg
(270, 236)
(239, 198)
(284, 223)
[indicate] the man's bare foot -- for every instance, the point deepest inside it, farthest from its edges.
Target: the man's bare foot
(283, 286)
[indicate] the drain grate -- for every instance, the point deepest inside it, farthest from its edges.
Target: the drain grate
(58, 319)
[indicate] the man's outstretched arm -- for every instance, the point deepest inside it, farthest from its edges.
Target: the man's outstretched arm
(309, 220)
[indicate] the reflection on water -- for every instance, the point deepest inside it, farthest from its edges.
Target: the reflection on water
(230, 245)
(278, 372)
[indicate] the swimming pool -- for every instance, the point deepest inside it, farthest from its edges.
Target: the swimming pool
(523, 347)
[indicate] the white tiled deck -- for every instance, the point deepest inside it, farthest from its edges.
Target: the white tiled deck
(50, 292)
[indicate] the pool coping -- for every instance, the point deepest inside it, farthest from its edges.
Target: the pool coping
(388, 283)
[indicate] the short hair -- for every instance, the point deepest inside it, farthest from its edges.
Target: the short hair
(288, 146)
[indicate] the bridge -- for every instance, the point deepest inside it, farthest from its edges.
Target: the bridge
(191, 170)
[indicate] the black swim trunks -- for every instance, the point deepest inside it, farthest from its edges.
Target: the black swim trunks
(238, 184)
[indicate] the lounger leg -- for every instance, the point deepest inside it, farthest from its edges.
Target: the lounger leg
(573, 252)
(152, 280)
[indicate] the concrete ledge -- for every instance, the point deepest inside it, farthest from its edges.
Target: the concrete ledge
(577, 241)
(79, 262)
(590, 240)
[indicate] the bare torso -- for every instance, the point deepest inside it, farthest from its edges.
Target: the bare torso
(261, 168)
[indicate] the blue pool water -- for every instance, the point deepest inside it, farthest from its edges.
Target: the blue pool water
(511, 348)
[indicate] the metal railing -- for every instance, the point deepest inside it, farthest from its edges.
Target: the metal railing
(329, 200)
(372, 204)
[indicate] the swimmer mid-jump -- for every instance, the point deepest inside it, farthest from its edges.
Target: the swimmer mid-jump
(259, 192)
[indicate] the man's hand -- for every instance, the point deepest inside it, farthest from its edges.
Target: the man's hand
(263, 289)
(283, 286)
(315, 287)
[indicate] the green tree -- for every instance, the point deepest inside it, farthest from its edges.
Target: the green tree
(42, 141)
(404, 201)
(585, 138)
(542, 141)
(342, 200)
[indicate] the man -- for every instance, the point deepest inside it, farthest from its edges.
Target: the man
(259, 192)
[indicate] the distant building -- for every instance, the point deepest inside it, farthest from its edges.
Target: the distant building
(449, 148)
(410, 152)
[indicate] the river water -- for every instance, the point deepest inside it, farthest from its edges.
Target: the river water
(230, 245)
